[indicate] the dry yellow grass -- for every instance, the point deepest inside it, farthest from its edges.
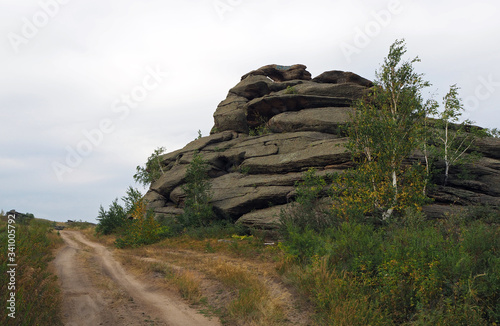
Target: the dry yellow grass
(107, 240)
(189, 286)
(234, 279)
(254, 304)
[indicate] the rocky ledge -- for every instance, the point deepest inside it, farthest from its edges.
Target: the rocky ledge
(276, 123)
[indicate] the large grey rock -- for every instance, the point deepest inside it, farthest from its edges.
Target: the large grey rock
(264, 219)
(317, 154)
(262, 109)
(351, 91)
(341, 77)
(280, 73)
(273, 89)
(252, 87)
(231, 115)
(329, 120)
(170, 180)
(489, 147)
(300, 123)
(154, 199)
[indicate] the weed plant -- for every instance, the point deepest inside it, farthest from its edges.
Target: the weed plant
(37, 291)
(143, 229)
(411, 271)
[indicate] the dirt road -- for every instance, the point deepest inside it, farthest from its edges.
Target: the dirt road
(97, 290)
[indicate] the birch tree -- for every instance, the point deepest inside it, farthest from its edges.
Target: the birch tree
(455, 139)
(387, 128)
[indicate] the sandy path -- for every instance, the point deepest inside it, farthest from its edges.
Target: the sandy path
(86, 304)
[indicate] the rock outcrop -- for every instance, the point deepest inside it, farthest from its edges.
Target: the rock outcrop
(276, 123)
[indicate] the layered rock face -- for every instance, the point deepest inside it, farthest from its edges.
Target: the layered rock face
(276, 123)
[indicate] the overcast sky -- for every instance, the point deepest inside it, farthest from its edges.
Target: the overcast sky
(89, 88)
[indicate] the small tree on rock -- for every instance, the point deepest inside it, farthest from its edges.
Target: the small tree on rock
(455, 139)
(152, 170)
(197, 208)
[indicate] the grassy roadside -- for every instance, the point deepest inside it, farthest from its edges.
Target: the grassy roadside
(229, 276)
(36, 289)
(409, 272)
(412, 271)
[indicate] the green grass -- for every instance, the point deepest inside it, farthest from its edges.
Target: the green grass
(440, 272)
(37, 292)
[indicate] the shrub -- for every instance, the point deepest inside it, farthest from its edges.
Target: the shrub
(116, 218)
(197, 208)
(37, 292)
(301, 245)
(152, 170)
(410, 271)
(291, 90)
(111, 220)
(307, 211)
(142, 230)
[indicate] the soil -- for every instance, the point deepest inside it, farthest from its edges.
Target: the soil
(97, 290)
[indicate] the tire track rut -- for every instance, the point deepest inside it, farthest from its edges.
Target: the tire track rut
(84, 303)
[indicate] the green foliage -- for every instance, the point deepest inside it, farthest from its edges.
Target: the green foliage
(262, 128)
(406, 269)
(197, 208)
(307, 211)
(455, 139)
(112, 220)
(368, 191)
(143, 229)
(495, 133)
(115, 218)
(259, 130)
(291, 90)
(387, 127)
(244, 169)
(131, 199)
(216, 230)
(400, 273)
(134, 225)
(152, 170)
(38, 299)
(302, 245)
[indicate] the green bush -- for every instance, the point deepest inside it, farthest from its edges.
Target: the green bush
(291, 90)
(143, 229)
(197, 208)
(152, 170)
(38, 300)
(408, 272)
(217, 230)
(115, 219)
(302, 245)
(111, 220)
(307, 211)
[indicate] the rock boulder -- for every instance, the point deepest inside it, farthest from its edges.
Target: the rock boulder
(276, 123)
